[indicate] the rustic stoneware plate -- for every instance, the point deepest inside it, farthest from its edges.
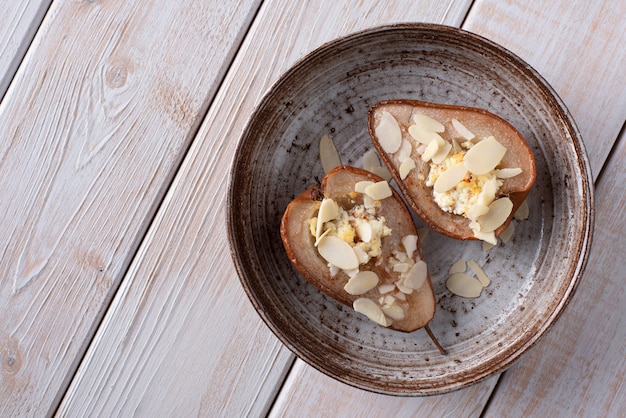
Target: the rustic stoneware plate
(533, 276)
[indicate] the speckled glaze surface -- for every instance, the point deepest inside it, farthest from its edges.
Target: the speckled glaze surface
(533, 276)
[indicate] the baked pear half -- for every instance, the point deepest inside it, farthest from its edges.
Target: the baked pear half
(463, 170)
(353, 237)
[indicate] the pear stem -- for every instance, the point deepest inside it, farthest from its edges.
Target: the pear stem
(432, 337)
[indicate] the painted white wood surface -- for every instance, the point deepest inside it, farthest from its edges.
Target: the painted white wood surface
(95, 123)
(309, 393)
(20, 20)
(181, 311)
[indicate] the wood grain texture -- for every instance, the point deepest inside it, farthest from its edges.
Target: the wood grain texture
(96, 120)
(579, 368)
(20, 20)
(309, 393)
(181, 310)
(578, 47)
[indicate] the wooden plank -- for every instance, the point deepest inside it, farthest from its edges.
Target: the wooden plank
(20, 20)
(307, 390)
(579, 367)
(180, 334)
(94, 125)
(578, 47)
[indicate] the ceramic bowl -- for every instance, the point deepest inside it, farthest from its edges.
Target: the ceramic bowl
(533, 276)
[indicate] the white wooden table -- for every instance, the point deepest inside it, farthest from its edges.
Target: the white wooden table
(118, 123)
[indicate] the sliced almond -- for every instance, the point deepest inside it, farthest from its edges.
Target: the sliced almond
(328, 154)
(409, 242)
(484, 156)
(464, 285)
(488, 194)
(462, 130)
(480, 274)
(405, 168)
(405, 151)
(360, 186)
(499, 211)
(394, 312)
(458, 267)
(379, 190)
(370, 309)
(370, 159)
(507, 173)
(361, 255)
(450, 178)
(382, 171)
(423, 136)
(522, 212)
(362, 282)
(427, 123)
(507, 234)
(487, 246)
(477, 211)
(430, 151)
(442, 153)
(364, 231)
(418, 274)
(386, 288)
(338, 252)
(328, 211)
(489, 237)
(401, 267)
(389, 133)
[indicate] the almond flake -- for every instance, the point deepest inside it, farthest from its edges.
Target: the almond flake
(362, 256)
(442, 153)
(338, 253)
(480, 274)
(405, 168)
(360, 186)
(423, 136)
(370, 309)
(507, 234)
(409, 242)
(370, 159)
(484, 156)
(499, 211)
(328, 154)
(462, 130)
(389, 133)
(364, 231)
(427, 123)
(394, 312)
(458, 267)
(507, 173)
(386, 288)
(464, 285)
(450, 178)
(417, 275)
(477, 211)
(379, 190)
(362, 282)
(522, 212)
(327, 212)
(405, 151)
(381, 171)
(430, 151)
(489, 237)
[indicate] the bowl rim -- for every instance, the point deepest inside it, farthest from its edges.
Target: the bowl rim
(588, 211)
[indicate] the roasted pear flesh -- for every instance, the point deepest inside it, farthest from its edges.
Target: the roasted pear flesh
(463, 170)
(353, 238)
